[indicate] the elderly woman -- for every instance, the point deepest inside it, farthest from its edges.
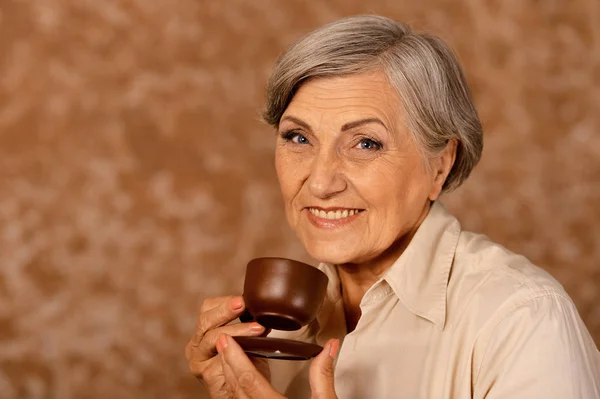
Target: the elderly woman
(374, 122)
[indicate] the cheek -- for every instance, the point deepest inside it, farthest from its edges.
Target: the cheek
(393, 188)
(287, 175)
(281, 170)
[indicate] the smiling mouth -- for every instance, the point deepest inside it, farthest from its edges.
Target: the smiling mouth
(334, 215)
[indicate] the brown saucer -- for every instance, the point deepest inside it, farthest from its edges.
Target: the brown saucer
(278, 348)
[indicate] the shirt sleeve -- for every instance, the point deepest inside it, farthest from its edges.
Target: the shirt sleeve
(538, 349)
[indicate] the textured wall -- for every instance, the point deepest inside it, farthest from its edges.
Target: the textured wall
(135, 177)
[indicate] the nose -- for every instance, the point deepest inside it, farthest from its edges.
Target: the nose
(326, 178)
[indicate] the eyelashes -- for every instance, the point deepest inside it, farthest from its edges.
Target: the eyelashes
(287, 135)
(363, 142)
(294, 136)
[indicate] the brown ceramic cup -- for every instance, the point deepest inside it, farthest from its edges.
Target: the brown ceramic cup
(283, 294)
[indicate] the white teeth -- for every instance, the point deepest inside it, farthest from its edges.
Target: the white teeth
(332, 215)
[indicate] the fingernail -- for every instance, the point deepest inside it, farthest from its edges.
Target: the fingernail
(333, 348)
(327, 348)
(218, 345)
(256, 327)
(237, 303)
(223, 341)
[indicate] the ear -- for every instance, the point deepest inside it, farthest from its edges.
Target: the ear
(441, 166)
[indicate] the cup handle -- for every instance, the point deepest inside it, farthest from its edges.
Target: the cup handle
(246, 317)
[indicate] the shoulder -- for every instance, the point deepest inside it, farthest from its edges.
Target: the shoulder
(519, 319)
(477, 256)
(488, 281)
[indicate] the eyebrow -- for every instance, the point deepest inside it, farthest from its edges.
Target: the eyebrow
(360, 122)
(345, 127)
(297, 121)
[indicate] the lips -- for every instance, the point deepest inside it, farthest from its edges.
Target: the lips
(332, 218)
(333, 214)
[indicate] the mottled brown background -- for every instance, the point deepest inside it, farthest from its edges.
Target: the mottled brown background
(136, 179)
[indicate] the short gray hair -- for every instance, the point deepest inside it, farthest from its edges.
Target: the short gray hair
(437, 102)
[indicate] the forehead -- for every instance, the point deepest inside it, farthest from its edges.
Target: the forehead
(340, 99)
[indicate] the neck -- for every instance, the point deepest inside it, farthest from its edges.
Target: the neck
(357, 278)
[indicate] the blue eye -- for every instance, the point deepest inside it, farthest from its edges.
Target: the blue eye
(299, 139)
(295, 137)
(369, 144)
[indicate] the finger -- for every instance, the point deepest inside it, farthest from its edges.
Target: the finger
(212, 302)
(207, 347)
(320, 372)
(231, 381)
(210, 374)
(248, 378)
(205, 370)
(223, 311)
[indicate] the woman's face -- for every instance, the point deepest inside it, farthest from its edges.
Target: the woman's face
(353, 180)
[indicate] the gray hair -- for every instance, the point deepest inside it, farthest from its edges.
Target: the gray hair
(424, 71)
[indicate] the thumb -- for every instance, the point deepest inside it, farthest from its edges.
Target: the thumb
(320, 373)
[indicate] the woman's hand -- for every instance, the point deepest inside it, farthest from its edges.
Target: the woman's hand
(248, 383)
(201, 349)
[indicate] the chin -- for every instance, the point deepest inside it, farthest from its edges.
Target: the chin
(332, 253)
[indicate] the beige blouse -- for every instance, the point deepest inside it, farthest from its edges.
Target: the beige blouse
(456, 316)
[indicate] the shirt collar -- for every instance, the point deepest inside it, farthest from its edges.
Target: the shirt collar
(419, 277)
